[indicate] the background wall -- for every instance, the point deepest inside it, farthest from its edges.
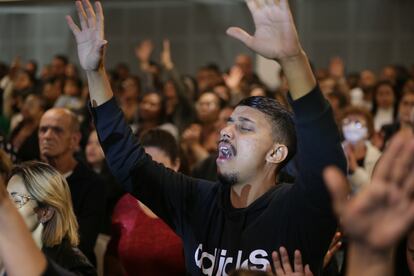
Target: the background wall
(366, 33)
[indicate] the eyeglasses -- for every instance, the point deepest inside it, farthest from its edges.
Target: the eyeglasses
(357, 123)
(19, 199)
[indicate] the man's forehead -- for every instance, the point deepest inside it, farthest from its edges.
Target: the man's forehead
(55, 118)
(246, 113)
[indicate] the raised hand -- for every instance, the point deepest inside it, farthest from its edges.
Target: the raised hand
(383, 211)
(90, 37)
(166, 59)
(282, 265)
(275, 36)
(144, 50)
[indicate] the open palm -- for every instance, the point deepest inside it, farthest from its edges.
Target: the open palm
(275, 36)
(90, 37)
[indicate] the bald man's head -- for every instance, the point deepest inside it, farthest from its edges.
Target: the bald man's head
(59, 133)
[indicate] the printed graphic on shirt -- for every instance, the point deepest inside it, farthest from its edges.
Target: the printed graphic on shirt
(219, 263)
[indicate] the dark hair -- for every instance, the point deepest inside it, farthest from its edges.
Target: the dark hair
(63, 58)
(374, 97)
(162, 140)
(283, 126)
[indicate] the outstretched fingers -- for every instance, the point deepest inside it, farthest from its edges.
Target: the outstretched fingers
(241, 35)
(277, 264)
(90, 13)
(75, 29)
(99, 18)
(298, 266)
(82, 15)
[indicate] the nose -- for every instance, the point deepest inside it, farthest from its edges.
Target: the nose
(227, 132)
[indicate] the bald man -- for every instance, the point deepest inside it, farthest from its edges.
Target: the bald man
(59, 137)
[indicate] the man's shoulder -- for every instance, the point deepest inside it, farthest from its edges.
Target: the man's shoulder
(83, 174)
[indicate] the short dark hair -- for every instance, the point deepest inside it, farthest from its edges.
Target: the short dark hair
(62, 58)
(162, 140)
(283, 125)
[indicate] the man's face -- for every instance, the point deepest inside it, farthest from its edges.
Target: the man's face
(56, 137)
(244, 144)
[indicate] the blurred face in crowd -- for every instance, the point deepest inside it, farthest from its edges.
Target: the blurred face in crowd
(58, 67)
(170, 96)
(389, 73)
(244, 62)
(207, 79)
(208, 108)
(57, 136)
(385, 96)
(150, 107)
(27, 207)
(367, 79)
(406, 107)
(71, 71)
(244, 145)
(71, 88)
(223, 92)
(22, 81)
(32, 108)
(327, 85)
(94, 153)
(161, 157)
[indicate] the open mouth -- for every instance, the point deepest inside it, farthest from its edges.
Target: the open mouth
(225, 151)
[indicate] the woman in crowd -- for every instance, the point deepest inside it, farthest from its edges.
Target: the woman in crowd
(23, 139)
(357, 129)
(142, 244)
(384, 106)
(42, 197)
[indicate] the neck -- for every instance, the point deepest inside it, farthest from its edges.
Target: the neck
(244, 194)
(37, 235)
(63, 164)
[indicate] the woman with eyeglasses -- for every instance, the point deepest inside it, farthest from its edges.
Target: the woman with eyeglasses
(357, 129)
(42, 197)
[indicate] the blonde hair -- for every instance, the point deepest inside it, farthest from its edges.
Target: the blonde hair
(50, 189)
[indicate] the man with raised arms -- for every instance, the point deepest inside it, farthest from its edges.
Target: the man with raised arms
(239, 220)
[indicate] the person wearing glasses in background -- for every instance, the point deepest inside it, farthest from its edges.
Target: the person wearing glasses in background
(42, 197)
(357, 129)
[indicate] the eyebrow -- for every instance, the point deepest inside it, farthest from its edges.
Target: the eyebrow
(241, 118)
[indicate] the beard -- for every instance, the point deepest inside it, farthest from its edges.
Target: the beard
(228, 179)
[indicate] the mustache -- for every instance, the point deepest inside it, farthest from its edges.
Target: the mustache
(227, 141)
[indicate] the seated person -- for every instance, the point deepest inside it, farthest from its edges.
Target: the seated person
(42, 197)
(142, 244)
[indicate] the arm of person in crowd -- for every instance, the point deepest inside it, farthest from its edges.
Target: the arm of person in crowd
(283, 267)
(19, 253)
(162, 190)
(185, 97)
(276, 38)
(379, 215)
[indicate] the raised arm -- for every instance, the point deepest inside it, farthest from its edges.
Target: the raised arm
(91, 48)
(276, 38)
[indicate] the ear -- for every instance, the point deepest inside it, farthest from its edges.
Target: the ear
(45, 214)
(76, 137)
(277, 154)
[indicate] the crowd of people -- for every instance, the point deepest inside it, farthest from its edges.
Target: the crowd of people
(210, 173)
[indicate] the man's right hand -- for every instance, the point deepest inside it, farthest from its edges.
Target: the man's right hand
(90, 37)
